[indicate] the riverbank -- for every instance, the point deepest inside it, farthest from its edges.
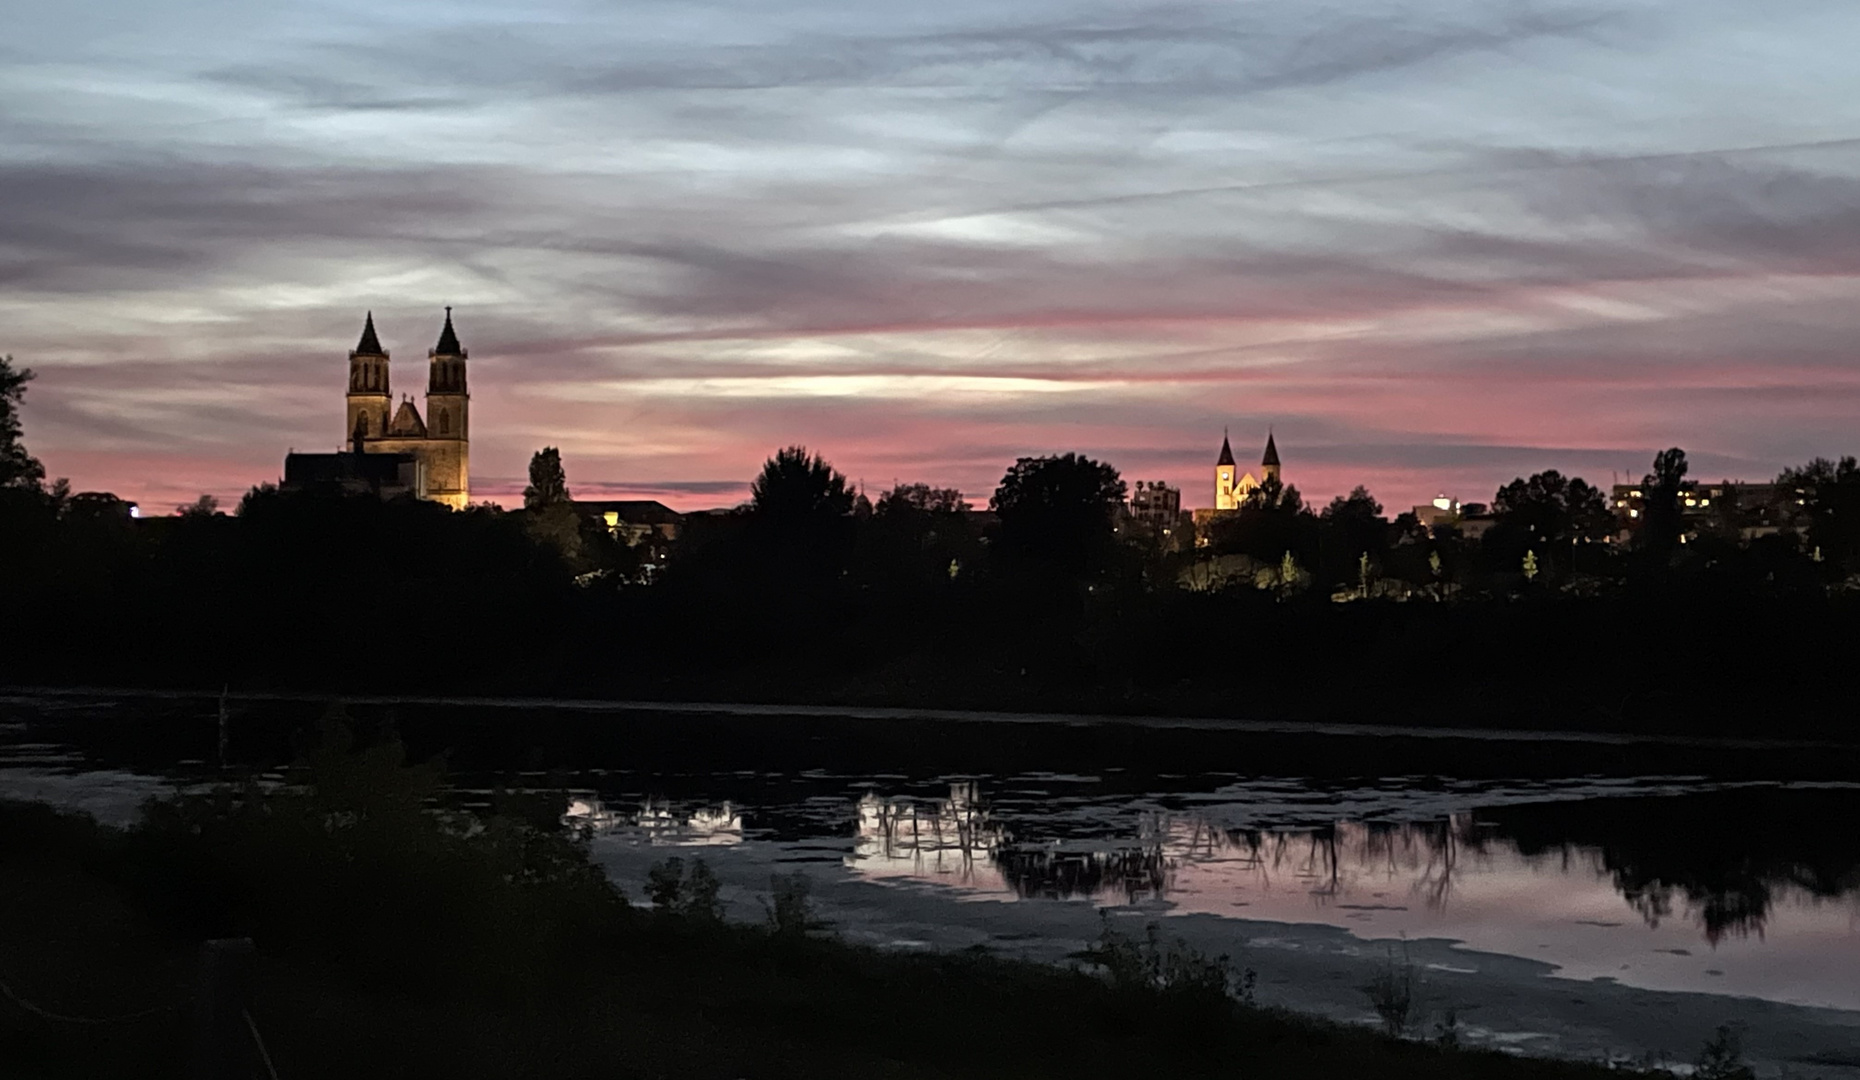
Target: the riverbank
(1676, 662)
(1250, 724)
(392, 941)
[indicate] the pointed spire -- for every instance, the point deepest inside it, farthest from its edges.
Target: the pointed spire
(1227, 450)
(448, 341)
(370, 345)
(1272, 450)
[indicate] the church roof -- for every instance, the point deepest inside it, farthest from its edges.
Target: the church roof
(407, 422)
(448, 341)
(631, 511)
(370, 345)
(1227, 453)
(1272, 451)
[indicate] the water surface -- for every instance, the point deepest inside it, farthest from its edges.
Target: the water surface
(1640, 866)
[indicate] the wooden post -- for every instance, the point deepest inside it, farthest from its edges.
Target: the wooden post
(222, 1045)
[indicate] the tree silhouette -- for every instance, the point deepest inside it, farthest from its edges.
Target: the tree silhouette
(1550, 514)
(1351, 528)
(1274, 494)
(552, 517)
(795, 488)
(1662, 489)
(799, 526)
(913, 537)
(548, 481)
(1058, 510)
(1829, 509)
(18, 469)
(922, 498)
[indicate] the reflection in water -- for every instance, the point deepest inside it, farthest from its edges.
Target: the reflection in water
(1329, 864)
(1721, 861)
(1355, 867)
(1725, 859)
(656, 822)
(943, 838)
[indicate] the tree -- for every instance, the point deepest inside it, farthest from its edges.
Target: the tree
(1662, 488)
(1058, 510)
(921, 498)
(1828, 513)
(1352, 533)
(552, 517)
(795, 487)
(913, 536)
(548, 481)
(18, 469)
(1272, 522)
(799, 527)
(1274, 494)
(1358, 505)
(204, 507)
(1552, 507)
(1548, 513)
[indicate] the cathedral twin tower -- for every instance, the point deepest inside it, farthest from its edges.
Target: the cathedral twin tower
(441, 443)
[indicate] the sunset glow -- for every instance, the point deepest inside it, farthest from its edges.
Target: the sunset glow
(1432, 244)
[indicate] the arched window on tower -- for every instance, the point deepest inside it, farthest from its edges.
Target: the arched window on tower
(445, 422)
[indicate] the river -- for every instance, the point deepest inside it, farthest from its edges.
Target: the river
(1578, 896)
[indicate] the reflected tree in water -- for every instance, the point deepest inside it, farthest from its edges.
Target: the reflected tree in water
(1725, 858)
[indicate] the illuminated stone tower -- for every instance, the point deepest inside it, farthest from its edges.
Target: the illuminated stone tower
(448, 426)
(1225, 496)
(1269, 465)
(369, 399)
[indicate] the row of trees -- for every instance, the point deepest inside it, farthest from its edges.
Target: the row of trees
(812, 591)
(1058, 519)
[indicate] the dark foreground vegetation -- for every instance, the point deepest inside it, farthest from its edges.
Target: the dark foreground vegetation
(1740, 621)
(396, 937)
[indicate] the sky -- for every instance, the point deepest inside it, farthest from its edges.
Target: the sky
(1431, 245)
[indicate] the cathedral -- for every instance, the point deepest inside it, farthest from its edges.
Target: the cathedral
(438, 446)
(1230, 492)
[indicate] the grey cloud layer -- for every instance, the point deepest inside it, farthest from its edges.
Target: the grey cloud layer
(1168, 195)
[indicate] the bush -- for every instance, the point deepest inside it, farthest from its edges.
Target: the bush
(689, 897)
(352, 860)
(1170, 967)
(789, 910)
(1723, 1057)
(1394, 992)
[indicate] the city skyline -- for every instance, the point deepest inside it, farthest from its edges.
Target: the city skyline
(1432, 245)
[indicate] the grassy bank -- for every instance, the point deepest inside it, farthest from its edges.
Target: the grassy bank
(397, 938)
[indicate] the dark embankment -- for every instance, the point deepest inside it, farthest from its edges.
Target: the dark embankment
(396, 939)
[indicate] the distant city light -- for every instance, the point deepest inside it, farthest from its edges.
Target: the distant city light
(135, 511)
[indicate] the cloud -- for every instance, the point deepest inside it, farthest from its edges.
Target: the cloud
(1434, 242)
